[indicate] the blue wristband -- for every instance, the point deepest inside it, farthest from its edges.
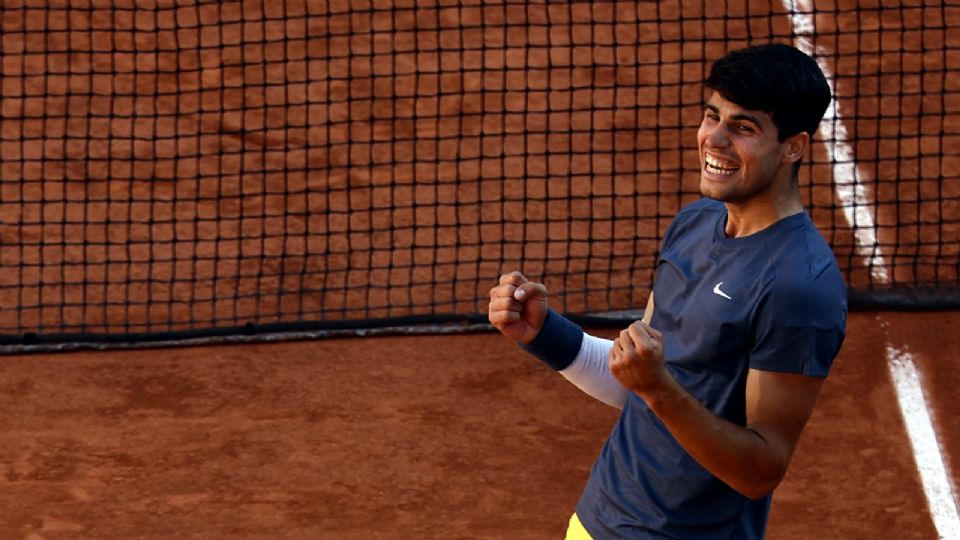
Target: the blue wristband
(558, 342)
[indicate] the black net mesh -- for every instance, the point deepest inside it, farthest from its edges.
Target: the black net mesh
(175, 169)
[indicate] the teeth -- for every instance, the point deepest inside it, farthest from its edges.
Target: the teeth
(716, 166)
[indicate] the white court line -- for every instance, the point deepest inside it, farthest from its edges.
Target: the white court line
(934, 476)
(929, 460)
(846, 175)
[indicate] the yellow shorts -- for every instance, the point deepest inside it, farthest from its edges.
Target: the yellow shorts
(575, 530)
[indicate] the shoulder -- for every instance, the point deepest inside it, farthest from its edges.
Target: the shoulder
(800, 319)
(699, 214)
(805, 284)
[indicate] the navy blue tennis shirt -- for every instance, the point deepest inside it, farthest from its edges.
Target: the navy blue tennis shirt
(774, 300)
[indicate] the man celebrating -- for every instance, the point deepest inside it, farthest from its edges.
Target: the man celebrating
(748, 311)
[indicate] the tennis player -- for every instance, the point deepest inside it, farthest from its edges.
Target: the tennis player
(747, 313)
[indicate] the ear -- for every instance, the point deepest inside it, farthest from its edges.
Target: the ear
(796, 146)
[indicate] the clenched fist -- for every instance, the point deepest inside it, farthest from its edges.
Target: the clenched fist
(518, 307)
(636, 358)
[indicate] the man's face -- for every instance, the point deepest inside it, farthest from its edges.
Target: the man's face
(740, 156)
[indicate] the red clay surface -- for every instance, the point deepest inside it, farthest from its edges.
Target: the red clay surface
(423, 437)
(444, 437)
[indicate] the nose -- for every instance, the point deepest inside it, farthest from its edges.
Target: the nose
(714, 136)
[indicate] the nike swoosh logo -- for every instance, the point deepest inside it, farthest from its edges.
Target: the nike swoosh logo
(717, 291)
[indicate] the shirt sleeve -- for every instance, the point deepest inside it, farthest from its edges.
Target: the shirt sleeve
(799, 329)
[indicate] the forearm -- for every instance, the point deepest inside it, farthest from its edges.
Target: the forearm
(737, 455)
(578, 357)
(590, 373)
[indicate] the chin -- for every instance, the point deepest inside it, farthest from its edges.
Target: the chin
(710, 191)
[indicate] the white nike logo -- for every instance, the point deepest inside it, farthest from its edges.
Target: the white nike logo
(717, 291)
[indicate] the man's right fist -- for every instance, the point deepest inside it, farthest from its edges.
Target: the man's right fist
(518, 307)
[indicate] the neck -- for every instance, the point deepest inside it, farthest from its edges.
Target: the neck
(757, 213)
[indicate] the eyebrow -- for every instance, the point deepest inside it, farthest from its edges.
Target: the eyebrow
(740, 117)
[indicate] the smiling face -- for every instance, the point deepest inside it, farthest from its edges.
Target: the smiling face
(741, 158)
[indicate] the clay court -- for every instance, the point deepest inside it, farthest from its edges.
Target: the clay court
(409, 437)
(245, 252)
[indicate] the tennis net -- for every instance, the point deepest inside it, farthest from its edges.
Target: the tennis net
(181, 170)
